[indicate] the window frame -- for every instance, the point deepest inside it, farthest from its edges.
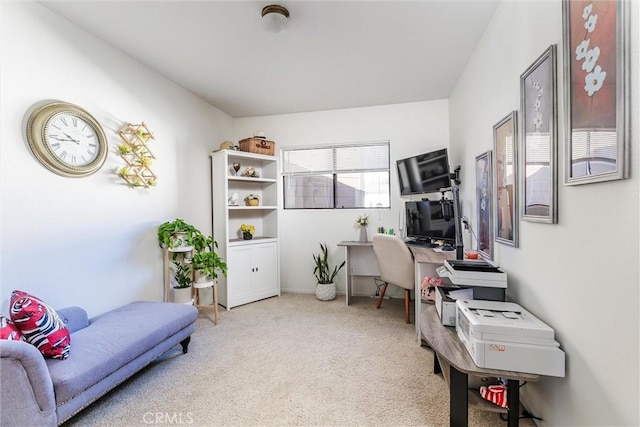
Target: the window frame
(335, 172)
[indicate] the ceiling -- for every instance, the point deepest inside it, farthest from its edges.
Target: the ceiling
(332, 55)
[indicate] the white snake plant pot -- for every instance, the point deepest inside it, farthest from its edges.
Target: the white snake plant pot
(326, 291)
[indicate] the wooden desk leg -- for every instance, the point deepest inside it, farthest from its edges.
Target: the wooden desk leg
(458, 398)
(513, 398)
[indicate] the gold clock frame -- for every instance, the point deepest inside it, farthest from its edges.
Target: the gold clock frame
(37, 125)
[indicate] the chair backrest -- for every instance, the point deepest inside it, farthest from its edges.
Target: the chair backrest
(395, 260)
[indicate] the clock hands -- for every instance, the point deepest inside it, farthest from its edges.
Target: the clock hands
(69, 136)
(65, 139)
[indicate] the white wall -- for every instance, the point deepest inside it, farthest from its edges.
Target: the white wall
(580, 275)
(412, 128)
(92, 241)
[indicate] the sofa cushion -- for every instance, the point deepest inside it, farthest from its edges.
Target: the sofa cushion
(112, 340)
(40, 325)
(9, 331)
(74, 318)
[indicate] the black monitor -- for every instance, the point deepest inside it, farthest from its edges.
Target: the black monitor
(429, 220)
(426, 173)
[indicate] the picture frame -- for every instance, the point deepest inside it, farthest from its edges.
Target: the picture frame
(484, 204)
(505, 183)
(539, 140)
(596, 89)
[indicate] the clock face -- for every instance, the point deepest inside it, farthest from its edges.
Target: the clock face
(66, 139)
(72, 139)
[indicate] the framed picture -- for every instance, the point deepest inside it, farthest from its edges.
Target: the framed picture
(596, 84)
(539, 124)
(484, 202)
(505, 187)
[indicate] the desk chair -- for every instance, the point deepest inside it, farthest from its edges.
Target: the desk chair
(396, 267)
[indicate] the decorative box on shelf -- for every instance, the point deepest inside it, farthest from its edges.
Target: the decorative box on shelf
(257, 145)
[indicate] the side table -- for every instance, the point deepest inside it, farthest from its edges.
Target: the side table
(449, 352)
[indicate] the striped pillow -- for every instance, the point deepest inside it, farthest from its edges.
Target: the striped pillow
(9, 331)
(40, 325)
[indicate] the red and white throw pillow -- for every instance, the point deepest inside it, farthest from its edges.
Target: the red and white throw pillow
(40, 325)
(496, 394)
(9, 331)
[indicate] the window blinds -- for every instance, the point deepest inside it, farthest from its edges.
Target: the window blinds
(330, 159)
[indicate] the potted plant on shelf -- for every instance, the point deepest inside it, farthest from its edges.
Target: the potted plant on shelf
(181, 282)
(177, 233)
(252, 200)
(325, 275)
(247, 231)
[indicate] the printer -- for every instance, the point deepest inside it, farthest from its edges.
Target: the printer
(505, 336)
(489, 282)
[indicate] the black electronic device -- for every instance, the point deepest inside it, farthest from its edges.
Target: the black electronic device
(425, 173)
(426, 221)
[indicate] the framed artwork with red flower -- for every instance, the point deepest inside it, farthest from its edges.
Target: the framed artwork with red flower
(596, 85)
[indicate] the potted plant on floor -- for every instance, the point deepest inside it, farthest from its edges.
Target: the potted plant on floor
(325, 275)
(181, 282)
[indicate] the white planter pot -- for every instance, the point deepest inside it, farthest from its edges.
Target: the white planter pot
(326, 291)
(179, 240)
(201, 278)
(181, 295)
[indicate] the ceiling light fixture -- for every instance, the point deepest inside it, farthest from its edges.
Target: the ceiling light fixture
(275, 17)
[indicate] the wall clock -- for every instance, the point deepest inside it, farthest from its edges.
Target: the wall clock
(66, 139)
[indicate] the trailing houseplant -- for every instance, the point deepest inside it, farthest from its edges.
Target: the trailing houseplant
(325, 274)
(172, 234)
(206, 262)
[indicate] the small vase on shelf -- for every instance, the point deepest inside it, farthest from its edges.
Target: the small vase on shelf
(363, 234)
(246, 235)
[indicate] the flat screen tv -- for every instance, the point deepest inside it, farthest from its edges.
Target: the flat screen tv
(426, 173)
(428, 220)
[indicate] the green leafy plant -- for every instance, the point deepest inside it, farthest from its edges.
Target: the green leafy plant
(323, 272)
(207, 262)
(167, 230)
(182, 274)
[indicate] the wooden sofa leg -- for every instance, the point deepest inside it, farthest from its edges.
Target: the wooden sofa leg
(185, 344)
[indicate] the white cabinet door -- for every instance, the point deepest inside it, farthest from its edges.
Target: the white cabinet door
(239, 275)
(252, 273)
(265, 278)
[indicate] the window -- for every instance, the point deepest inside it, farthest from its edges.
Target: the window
(336, 176)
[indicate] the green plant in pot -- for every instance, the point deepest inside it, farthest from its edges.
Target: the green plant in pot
(206, 262)
(173, 234)
(325, 274)
(183, 280)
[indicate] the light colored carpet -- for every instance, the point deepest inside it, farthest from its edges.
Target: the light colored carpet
(289, 361)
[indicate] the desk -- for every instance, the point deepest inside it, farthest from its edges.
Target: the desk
(360, 261)
(426, 260)
(452, 356)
